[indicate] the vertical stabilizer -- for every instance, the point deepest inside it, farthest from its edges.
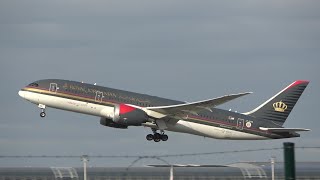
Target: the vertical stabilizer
(278, 108)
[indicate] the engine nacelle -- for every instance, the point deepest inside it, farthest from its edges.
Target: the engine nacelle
(110, 123)
(126, 115)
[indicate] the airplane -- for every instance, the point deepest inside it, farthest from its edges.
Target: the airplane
(121, 109)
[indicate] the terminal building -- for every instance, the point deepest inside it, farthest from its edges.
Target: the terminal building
(236, 171)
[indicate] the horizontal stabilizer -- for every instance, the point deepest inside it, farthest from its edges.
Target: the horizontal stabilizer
(284, 129)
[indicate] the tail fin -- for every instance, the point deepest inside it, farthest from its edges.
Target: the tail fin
(278, 108)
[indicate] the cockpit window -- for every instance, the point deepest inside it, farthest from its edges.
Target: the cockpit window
(34, 84)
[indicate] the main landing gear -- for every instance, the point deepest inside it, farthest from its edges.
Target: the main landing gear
(43, 110)
(157, 137)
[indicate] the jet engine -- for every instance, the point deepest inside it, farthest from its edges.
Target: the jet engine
(127, 115)
(110, 123)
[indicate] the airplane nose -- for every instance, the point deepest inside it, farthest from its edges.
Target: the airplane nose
(22, 94)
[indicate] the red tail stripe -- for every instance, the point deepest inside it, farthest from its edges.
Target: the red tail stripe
(297, 83)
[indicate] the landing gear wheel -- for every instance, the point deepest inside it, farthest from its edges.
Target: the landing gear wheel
(149, 137)
(157, 137)
(42, 114)
(164, 137)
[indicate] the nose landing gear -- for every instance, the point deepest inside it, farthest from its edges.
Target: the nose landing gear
(157, 137)
(43, 110)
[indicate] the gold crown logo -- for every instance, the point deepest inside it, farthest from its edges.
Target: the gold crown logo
(280, 106)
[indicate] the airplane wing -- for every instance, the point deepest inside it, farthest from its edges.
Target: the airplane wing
(284, 129)
(195, 107)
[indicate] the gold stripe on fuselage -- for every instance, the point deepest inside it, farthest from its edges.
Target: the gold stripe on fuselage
(73, 97)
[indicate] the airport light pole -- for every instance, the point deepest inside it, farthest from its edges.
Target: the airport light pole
(171, 172)
(272, 167)
(85, 159)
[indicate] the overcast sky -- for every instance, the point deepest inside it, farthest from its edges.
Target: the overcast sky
(184, 50)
